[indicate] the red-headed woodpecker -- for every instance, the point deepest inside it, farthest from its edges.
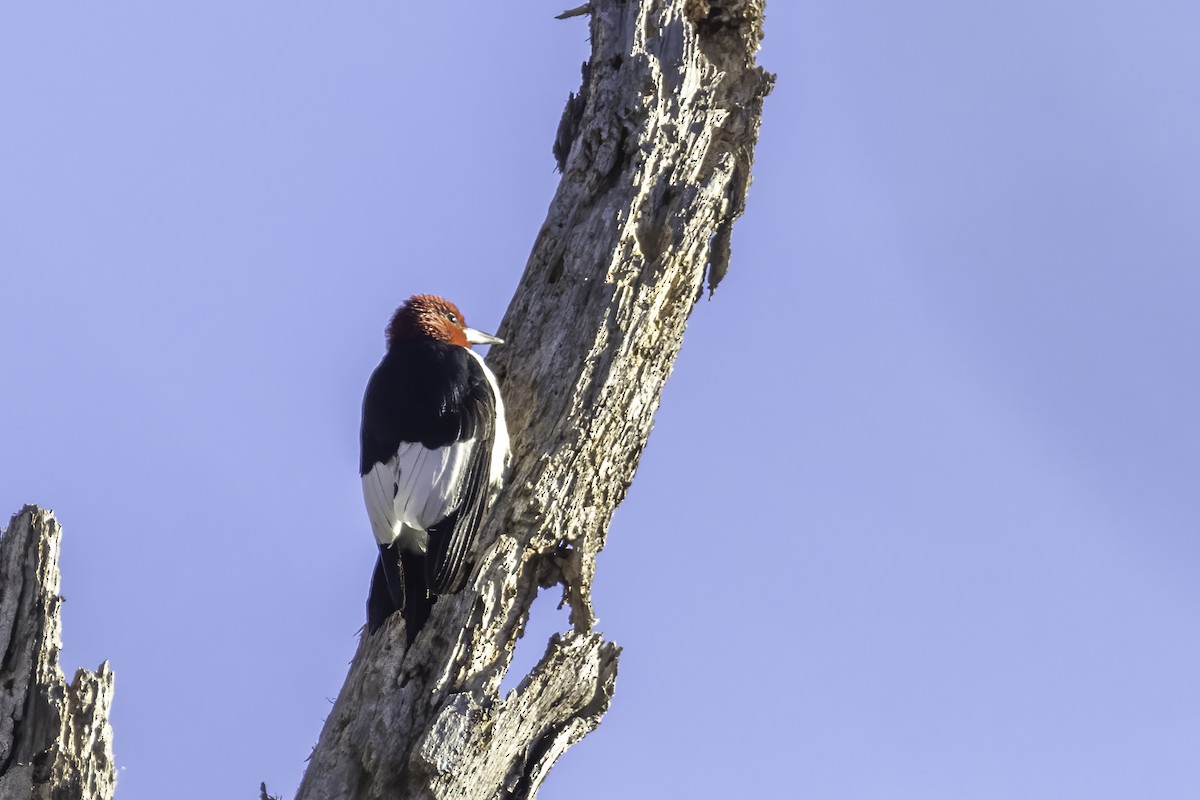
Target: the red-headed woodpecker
(434, 446)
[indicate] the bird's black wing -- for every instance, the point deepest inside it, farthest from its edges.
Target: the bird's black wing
(451, 538)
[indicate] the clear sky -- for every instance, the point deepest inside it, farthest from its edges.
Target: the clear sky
(920, 516)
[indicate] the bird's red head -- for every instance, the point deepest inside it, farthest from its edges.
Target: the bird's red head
(432, 317)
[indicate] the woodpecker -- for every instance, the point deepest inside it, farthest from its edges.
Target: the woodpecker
(434, 448)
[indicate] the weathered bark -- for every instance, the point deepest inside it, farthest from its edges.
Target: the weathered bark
(55, 739)
(655, 153)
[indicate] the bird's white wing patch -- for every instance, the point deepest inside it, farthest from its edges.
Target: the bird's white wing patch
(416, 489)
(429, 482)
(379, 490)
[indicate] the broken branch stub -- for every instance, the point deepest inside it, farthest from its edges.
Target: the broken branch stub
(55, 738)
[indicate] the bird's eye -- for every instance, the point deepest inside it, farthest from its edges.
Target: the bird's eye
(450, 315)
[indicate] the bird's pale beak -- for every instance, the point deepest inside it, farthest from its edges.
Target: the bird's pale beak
(479, 337)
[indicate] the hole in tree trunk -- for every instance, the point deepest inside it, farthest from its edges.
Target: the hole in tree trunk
(545, 619)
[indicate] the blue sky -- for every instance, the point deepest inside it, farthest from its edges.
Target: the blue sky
(919, 517)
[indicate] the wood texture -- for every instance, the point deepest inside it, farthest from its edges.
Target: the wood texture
(55, 739)
(655, 153)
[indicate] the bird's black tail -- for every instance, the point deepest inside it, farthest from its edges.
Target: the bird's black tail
(418, 602)
(387, 588)
(399, 584)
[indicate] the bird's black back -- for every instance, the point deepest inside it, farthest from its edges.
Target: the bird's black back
(423, 391)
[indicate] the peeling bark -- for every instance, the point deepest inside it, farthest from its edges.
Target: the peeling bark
(655, 152)
(55, 739)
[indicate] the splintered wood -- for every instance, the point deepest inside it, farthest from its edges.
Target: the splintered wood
(55, 739)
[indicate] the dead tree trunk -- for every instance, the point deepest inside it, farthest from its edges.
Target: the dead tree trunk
(655, 154)
(55, 740)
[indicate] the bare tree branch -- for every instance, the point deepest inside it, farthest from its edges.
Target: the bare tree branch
(578, 11)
